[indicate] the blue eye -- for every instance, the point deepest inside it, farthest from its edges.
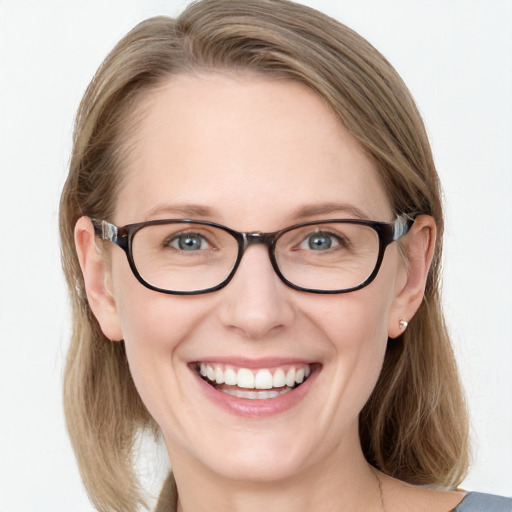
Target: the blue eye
(188, 242)
(320, 241)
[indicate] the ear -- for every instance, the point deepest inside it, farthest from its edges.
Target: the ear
(97, 278)
(419, 247)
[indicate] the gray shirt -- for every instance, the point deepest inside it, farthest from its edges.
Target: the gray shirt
(480, 502)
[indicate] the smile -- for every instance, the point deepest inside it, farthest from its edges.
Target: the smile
(254, 384)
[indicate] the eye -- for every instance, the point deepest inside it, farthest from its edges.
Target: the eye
(320, 241)
(188, 241)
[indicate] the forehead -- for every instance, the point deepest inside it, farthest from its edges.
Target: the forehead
(247, 150)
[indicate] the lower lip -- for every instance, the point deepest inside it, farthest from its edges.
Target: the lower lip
(256, 408)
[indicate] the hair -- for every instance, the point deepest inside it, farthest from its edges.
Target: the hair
(414, 426)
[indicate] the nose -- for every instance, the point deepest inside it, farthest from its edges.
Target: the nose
(255, 302)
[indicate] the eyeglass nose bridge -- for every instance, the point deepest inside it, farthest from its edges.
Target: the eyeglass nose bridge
(257, 237)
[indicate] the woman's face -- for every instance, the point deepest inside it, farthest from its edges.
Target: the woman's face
(254, 155)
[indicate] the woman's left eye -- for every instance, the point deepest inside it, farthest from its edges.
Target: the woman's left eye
(320, 241)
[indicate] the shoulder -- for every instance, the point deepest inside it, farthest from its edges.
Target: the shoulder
(480, 502)
(403, 497)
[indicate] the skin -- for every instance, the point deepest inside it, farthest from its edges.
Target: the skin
(273, 148)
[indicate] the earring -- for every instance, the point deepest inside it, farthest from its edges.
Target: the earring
(403, 325)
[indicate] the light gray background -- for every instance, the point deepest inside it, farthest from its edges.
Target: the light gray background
(455, 55)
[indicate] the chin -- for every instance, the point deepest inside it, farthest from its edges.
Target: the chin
(243, 454)
(257, 466)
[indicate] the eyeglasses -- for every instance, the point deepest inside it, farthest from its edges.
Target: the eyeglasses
(189, 257)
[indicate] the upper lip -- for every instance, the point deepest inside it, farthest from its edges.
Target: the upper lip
(250, 363)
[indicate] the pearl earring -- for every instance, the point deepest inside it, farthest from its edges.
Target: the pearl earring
(403, 325)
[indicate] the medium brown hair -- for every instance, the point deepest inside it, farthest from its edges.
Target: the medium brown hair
(414, 426)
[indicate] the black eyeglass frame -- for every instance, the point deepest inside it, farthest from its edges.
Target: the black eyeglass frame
(387, 233)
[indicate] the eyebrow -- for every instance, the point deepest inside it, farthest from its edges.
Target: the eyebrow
(182, 210)
(315, 210)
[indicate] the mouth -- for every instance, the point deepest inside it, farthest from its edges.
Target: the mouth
(254, 383)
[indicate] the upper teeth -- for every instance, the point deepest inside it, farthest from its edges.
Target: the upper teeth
(263, 378)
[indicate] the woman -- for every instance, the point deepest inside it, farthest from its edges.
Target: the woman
(313, 373)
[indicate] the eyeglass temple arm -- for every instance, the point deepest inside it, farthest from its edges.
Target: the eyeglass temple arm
(401, 226)
(107, 231)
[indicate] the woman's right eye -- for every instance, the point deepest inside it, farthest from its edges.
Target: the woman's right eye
(187, 241)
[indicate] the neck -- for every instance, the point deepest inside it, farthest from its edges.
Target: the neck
(349, 486)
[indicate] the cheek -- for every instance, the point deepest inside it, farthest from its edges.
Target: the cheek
(151, 321)
(357, 321)
(155, 327)
(359, 339)
(357, 331)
